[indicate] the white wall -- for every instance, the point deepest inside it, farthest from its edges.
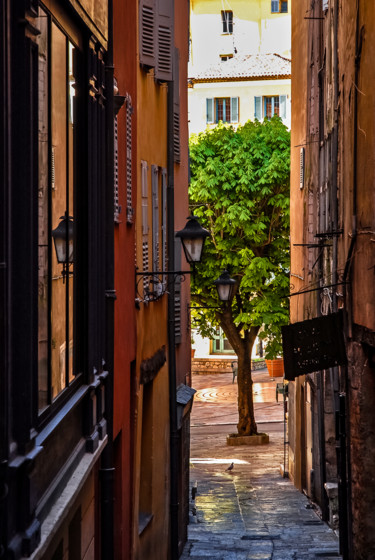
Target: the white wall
(246, 91)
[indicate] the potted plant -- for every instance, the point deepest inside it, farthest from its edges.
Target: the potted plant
(274, 353)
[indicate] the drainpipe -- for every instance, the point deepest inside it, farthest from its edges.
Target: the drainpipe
(107, 465)
(174, 433)
(345, 438)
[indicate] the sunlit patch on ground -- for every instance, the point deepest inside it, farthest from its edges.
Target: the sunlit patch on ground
(220, 461)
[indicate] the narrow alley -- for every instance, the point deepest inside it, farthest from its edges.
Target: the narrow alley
(250, 512)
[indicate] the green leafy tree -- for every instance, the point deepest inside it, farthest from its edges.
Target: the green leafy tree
(240, 192)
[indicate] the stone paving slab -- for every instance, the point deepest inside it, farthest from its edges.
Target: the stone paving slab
(251, 512)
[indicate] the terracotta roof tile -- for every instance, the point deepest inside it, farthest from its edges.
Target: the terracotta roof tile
(250, 66)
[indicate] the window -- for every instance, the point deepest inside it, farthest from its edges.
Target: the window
(268, 106)
(279, 6)
(56, 148)
(155, 37)
(220, 344)
(227, 21)
(225, 109)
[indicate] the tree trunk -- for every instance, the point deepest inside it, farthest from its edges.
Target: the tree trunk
(246, 419)
(242, 341)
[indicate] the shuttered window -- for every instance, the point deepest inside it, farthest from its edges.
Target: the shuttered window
(144, 187)
(147, 35)
(176, 107)
(145, 252)
(117, 207)
(225, 109)
(234, 109)
(177, 294)
(164, 219)
(210, 110)
(302, 168)
(258, 108)
(279, 6)
(129, 171)
(163, 70)
(272, 105)
(155, 217)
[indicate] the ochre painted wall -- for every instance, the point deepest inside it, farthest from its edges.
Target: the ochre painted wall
(125, 63)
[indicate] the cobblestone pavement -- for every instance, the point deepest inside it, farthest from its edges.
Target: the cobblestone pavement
(250, 512)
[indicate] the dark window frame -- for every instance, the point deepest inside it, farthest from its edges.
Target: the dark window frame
(282, 6)
(227, 22)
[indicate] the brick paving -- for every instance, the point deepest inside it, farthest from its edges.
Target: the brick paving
(251, 512)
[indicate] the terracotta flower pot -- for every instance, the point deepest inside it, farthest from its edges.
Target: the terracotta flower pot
(275, 367)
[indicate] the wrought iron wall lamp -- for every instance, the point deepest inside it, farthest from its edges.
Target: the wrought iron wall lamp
(154, 283)
(62, 237)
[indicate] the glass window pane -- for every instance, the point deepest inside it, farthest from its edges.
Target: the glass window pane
(276, 109)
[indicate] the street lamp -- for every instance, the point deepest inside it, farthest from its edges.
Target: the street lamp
(63, 239)
(192, 238)
(225, 286)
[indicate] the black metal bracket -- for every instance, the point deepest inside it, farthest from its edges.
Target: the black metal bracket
(152, 285)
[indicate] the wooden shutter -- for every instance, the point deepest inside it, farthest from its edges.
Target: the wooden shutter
(145, 264)
(258, 108)
(164, 30)
(177, 294)
(164, 219)
(234, 109)
(155, 216)
(282, 106)
(176, 107)
(210, 110)
(129, 171)
(147, 32)
(302, 168)
(144, 187)
(117, 207)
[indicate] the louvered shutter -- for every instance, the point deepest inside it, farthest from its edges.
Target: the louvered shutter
(145, 264)
(176, 107)
(164, 31)
(209, 110)
(53, 173)
(155, 216)
(234, 109)
(177, 294)
(282, 106)
(147, 32)
(129, 171)
(302, 168)
(258, 108)
(144, 187)
(164, 219)
(117, 207)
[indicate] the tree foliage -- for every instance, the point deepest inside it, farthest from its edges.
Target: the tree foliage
(240, 192)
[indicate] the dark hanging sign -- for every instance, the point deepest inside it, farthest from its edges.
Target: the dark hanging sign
(313, 345)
